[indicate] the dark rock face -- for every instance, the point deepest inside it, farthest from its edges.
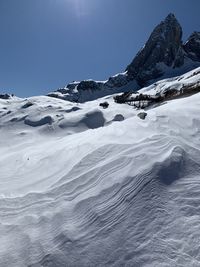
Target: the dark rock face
(88, 84)
(192, 46)
(118, 80)
(163, 46)
(4, 96)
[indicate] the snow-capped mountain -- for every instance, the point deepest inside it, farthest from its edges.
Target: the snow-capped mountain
(163, 56)
(85, 186)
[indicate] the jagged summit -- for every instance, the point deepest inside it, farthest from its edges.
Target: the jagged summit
(170, 17)
(192, 46)
(165, 52)
(164, 55)
(163, 46)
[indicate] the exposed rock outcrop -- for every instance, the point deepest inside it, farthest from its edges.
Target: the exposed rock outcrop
(164, 47)
(5, 96)
(142, 115)
(192, 46)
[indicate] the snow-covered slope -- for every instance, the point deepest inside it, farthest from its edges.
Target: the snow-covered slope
(86, 186)
(189, 80)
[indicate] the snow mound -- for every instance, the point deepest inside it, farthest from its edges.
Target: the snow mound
(91, 120)
(124, 193)
(39, 121)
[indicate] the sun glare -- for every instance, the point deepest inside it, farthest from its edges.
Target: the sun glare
(81, 7)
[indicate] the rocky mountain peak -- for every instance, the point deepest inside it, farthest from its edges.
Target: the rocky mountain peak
(164, 55)
(162, 46)
(192, 46)
(171, 17)
(171, 29)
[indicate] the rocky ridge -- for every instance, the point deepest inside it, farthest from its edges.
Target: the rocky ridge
(163, 56)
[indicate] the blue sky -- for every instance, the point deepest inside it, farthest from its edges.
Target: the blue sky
(44, 44)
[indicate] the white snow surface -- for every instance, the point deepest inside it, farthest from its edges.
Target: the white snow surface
(190, 78)
(80, 186)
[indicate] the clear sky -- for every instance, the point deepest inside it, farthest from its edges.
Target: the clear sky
(45, 44)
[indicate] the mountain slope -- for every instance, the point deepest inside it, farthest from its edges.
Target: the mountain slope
(164, 55)
(181, 84)
(86, 186)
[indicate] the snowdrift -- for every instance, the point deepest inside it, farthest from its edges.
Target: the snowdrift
(79, 187)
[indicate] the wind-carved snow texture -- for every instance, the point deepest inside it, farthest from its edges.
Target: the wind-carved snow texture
(112, 193)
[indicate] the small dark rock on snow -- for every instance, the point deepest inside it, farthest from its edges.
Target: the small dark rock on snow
(104, 104)
(118, 117)
(142, 115)
(27, 104)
